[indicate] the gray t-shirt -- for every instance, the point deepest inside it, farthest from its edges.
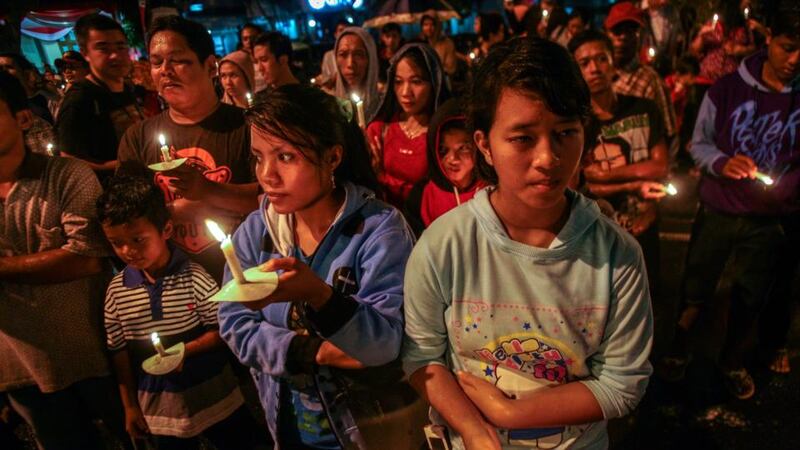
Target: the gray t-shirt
(51, 334)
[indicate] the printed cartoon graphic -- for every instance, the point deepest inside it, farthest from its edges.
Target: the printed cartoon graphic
(190, 234)
(511, 364)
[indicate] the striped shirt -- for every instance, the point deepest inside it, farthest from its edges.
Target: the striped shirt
(176, 306)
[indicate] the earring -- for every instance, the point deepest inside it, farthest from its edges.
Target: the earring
(333, 181)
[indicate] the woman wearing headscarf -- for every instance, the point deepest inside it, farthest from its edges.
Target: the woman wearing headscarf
(238, 78)
(415, 88)
(357, 68)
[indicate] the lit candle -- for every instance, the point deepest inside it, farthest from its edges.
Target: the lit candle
(313, 81)
(651, 52)
(472, 55)
(249, 99)
(164, 148)
(157, 344)
(362, 121)
(227, 250)
(50, 149)
(764, 178)
(670, 189)
(747, 12)
(545, 15)
(714, 20)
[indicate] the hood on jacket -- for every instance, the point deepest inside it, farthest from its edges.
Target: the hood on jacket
(750, 71)
(371, 97)
(281, 226)
(242, 60)
(450, 111)
(389, 106)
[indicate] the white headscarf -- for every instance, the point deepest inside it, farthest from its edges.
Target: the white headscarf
(371, 97)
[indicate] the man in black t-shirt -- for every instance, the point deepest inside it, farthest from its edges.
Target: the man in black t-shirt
(97, 111)
(625, 148)
(217, 181)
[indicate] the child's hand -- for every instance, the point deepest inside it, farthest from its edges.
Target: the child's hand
(135, 424)
(651, 190)
(491, 401)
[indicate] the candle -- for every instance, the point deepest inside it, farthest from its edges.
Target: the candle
(164, 149)
(249, 99)
(313, 81)
(714, 20)
(764, 178)
(227, 250)
(545, 14)
(50, 149)
(472, 55)
(362, 122)
(157, 344)
(747, 12)
(670, 189)
(651, 52)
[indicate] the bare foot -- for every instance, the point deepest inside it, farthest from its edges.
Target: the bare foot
(780, 362)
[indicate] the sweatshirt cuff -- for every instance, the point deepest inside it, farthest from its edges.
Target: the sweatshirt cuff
(302, 355)
(719, 164)
(333, 315)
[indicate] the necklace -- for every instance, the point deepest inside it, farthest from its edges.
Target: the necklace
(412, 131)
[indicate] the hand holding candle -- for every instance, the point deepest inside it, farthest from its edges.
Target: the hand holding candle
(764, 178)
(227, 250)
(362, 121)
(164, 148)
(157, 344)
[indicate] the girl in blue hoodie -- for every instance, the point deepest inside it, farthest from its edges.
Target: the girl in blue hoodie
(323, 348)
(528, 318)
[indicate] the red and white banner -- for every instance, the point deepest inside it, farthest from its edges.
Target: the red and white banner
(52, 25)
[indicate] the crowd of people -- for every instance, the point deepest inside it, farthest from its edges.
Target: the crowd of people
(450, 232)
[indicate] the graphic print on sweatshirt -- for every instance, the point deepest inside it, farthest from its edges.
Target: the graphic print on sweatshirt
(763, 137)
(190, 235)
(522, 348)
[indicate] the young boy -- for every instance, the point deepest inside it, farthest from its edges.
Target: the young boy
(161, 291)
(452, 174)
(748, 123)
(528, 285)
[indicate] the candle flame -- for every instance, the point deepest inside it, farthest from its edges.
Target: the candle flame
(545, 13)
(652, 52)
(764, 178)
(215, 230)
(716, 18)
(162, 140)
(49, 147)
(313, 81)
(249, 96)
(746, 12)
(671, 189)
(472, 55)
(154, 337)
(355, 97)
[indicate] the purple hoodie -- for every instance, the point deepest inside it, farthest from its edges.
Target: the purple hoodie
(740, 115)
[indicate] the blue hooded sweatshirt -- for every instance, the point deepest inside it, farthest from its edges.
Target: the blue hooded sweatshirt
(740, 115)
(362, 256)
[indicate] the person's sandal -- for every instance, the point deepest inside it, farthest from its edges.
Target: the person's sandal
(739, 383)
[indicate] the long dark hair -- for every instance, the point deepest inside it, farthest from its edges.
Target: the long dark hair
(313, 122)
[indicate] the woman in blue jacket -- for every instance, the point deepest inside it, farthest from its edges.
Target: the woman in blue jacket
(323, 348)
